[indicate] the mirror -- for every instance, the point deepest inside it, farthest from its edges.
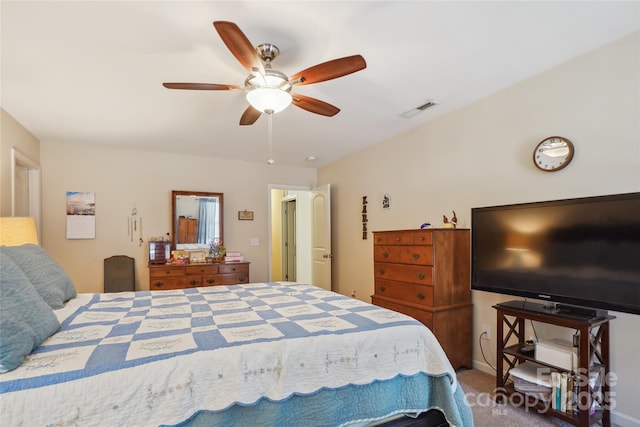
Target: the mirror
(196, 219)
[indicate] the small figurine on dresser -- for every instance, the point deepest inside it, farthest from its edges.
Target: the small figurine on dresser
(449, 224)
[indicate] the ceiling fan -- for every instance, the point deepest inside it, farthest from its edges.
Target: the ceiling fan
(269, 90)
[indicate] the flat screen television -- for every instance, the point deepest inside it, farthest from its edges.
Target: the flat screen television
(581, 252)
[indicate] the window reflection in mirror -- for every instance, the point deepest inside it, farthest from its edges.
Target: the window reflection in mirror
(197, 219)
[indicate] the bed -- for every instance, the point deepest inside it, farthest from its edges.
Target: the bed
(276, 354)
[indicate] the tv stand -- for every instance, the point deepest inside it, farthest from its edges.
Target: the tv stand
(593, 357)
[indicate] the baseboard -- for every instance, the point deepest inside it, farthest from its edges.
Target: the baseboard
(481, 366)
(622, 420)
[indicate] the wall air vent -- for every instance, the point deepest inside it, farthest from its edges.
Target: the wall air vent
(430, 103)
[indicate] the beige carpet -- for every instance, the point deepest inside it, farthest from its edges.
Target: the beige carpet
(478, 387)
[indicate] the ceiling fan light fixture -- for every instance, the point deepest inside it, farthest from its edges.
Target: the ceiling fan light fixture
(268, 90)
(269, 98)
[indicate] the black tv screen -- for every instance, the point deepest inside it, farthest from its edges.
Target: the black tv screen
(583, 251)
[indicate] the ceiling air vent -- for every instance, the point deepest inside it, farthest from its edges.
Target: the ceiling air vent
(430, 103)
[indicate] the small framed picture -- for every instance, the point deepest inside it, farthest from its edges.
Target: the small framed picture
(196, 257)
(245, 215)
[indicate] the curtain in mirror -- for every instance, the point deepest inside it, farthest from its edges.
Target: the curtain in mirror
(208, 223)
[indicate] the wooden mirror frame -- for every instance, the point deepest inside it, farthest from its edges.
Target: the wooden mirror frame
(174, 215)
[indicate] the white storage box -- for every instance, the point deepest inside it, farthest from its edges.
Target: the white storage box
(556, 352)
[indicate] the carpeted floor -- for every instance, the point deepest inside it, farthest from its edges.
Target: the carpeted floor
(479, 386)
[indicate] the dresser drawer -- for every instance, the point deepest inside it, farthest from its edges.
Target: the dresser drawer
(233, 279)
(422, 255)
(403, 237)
(233, 268)
(425, 317)
(182, 282)
(421, 274)
(166, 271)
(386, 253)
(417, 294)
(202, 269)
(211, 280)
(409, 254)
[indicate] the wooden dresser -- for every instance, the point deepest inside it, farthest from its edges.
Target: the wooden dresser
(426, 275)
(162, 277)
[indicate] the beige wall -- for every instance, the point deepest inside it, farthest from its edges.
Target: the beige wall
(122, 179)
(481, 155)
(13, 135)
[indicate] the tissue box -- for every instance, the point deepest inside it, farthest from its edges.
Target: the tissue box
(555, 352)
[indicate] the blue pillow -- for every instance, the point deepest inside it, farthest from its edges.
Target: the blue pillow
(25, 319)
(45, 274)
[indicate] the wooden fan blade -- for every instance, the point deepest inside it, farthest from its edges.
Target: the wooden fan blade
(329, 70)
(239, 45)
(200, 86)
(314, 105)
(249, 116)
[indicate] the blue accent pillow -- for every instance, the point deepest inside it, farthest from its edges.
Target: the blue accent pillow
(45, 274)
(25, 319)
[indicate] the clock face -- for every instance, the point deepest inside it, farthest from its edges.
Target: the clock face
(553, 153)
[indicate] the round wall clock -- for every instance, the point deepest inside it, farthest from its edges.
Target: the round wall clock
(553, 153)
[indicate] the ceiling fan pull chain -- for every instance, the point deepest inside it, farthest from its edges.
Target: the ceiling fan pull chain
(270, 146)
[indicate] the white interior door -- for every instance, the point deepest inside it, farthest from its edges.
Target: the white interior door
(321, 236)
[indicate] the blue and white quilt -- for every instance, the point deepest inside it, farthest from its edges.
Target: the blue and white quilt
(158, 357)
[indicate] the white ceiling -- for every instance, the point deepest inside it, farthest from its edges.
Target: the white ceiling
(91, 72)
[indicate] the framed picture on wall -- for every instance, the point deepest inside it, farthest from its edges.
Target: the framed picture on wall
(245, 215)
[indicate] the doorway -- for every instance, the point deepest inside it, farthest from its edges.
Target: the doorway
(300, 235)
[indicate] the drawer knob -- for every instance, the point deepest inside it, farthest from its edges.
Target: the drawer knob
(415, 255)
(381, 271)
(398, 239)
(420, 276)
(158, 284)
(421, 296)
(242, 279)
(193, 282)
(210, 281)
(385, 255)
(382, 289)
